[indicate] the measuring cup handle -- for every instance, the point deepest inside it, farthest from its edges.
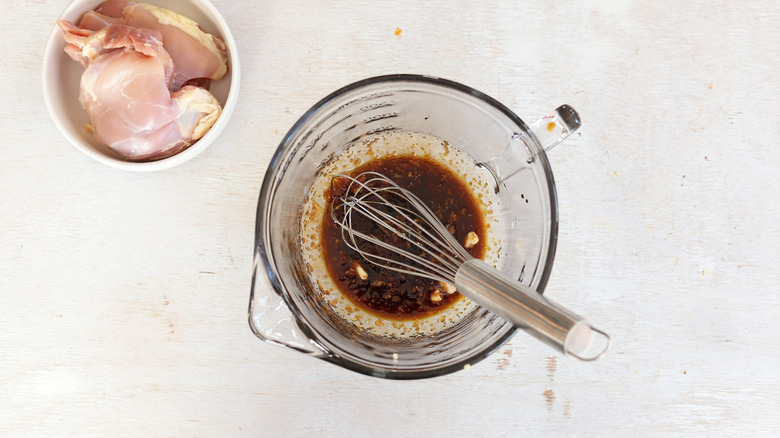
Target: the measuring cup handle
(518, 154)
(554, 127)
(271, 319)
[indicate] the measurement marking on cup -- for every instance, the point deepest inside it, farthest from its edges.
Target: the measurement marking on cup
(380, 117)
(374, 106)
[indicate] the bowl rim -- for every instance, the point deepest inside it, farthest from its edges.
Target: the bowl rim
(55, 43)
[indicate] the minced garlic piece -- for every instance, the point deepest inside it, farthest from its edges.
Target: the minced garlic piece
(471, 240)
(361, 272)
(450, 289)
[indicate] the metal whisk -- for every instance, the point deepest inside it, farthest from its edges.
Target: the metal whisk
(423, 246)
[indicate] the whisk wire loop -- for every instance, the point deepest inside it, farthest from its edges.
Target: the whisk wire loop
(352, 236)
(432, 251)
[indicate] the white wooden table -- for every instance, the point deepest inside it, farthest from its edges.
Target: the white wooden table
(124, 296)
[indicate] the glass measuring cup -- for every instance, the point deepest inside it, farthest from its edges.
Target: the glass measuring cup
(284, 305)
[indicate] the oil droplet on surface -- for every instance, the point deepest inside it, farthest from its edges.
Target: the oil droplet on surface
(550, 126)
(397, 31)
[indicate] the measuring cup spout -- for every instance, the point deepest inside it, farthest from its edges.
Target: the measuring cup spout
(271, 319)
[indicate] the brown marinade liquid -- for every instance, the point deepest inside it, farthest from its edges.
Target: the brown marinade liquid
(384, 292)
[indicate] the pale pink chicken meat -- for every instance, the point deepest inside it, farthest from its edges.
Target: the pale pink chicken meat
(196, 54)
(94, 20)
(126, 91)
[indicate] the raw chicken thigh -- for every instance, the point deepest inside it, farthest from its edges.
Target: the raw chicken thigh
(196, 54)
(136, 93)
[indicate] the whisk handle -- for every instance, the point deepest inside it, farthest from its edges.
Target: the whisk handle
(527, 309)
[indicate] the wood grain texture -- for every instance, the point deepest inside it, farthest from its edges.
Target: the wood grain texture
(124, 295)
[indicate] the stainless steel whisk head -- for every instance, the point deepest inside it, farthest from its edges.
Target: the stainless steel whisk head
(430, 250)
(418, 243)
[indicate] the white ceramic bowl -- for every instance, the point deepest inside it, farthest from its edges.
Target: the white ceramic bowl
(61, 77)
